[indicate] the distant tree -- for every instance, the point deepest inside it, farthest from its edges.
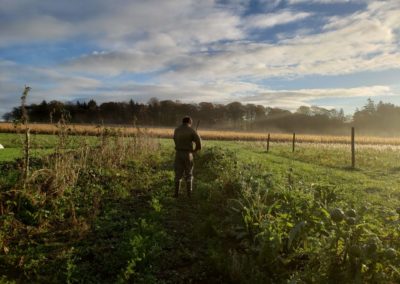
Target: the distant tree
(381, 118)
(341, 115)
(260, 112)
(56, 111)
(92, 105)
(306, 110)
(236, 112)
(187, 109)
(168, 109)
(9, 116)
(277, 113)
(154, 111)
(40, 112)
(111, 112)
(316, 110)
(370, 107)
(206, 113)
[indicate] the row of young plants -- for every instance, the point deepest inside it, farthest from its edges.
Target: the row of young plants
(288, 231)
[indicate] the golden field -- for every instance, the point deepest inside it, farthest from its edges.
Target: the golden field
(205, 134)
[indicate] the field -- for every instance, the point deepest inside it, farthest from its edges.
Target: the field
(98, 209)
(207, 134)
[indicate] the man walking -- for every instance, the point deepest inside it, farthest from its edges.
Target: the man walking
(184, 136)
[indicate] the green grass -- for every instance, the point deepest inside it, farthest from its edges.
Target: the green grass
(41, 144)
(11, 140)
(13, 144)
(11, 154)
(376, 178)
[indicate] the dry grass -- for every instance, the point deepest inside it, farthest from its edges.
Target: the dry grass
(207, 134)
(53, 186)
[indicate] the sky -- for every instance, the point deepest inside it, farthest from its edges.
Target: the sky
(277, 53)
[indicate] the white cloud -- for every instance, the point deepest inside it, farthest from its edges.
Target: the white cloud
(117, 24)
(185, 22)
(153, 35)
(289, 99)
(360, 42)
(273, 19)
(46, 84)
(114, 63)
(367, 40)
(327, 1)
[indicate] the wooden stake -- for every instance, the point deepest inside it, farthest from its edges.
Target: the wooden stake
(268, 139)
(294, 141)
(353, 148)
(27, 146)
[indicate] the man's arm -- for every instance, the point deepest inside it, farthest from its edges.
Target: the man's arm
(197, 141)
(174, 137)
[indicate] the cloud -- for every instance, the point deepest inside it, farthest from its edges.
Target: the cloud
(293, 99)
(117, 24)
(273, 19)
(327, 1)
(34, 30)
(46, 84)
(114, 63)
(241, 6)
(367, 40)
(364, 41)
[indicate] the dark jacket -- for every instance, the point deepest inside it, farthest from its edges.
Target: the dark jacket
(184, 136)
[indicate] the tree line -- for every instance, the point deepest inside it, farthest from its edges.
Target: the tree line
(372, 118)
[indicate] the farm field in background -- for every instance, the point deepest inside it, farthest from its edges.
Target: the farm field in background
(255, 216)
(208, 134)
(369, 156)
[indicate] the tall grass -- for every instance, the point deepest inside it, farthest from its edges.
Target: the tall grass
(62, 194)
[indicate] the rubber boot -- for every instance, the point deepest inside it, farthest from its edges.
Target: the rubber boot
(177, 183)
(189, 187)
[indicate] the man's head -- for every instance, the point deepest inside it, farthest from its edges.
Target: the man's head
(187, 120)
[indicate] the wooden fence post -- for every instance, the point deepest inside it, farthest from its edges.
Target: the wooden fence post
(353, 148)
(294, 141)
(27, 147)
(268, 139)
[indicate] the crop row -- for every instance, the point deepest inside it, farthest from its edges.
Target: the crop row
(208, 134)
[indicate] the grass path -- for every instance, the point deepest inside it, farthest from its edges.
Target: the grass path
(186, 259)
